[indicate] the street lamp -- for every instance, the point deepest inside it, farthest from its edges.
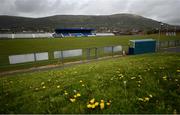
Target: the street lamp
(160, 26)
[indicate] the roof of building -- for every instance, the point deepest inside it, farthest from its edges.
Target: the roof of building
(142, 40)
(69, 29)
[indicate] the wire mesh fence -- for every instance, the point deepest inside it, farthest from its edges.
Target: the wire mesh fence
(26, 35)
(63, 56)
(166, 44)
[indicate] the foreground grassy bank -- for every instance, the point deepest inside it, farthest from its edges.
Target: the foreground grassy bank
(136, 84)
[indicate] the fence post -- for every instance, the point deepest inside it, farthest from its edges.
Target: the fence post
(12, 36)
(112, 51)
(96, 55)
(174, 43)
(33, 35)
(88, 53)
(35, 57)
(62, 58)
(168, 43)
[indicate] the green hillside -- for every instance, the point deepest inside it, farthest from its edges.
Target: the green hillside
(100, 23)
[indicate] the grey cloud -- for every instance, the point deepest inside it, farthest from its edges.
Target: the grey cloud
(162, 10)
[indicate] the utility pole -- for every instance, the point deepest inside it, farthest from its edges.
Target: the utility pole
(160, 26)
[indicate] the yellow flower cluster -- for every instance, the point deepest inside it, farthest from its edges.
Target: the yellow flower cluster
(161, 67)
(43, 85)
(178, 70)
(145, 99)
(121, 76)
(140, 77)
(82, 84)
(73, 99)
(65, 92)
(164, 78)
(92, 104)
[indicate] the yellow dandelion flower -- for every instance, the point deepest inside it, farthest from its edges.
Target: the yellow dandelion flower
(80, 81)
(44, 87)
(165, 77)
(93, 106)
(96, 103)
(133, 77)
(102, 101)
(178, 70)
(72, 100)
(175, 112)
(108, 103)
(140, 99)
(58, 86)
(75, 96)
(65, 93)
(102, 104)
(146, 99)
(89, 106)
(150, 96)
(78, 94)
(92, 100)
(42, 83)
(176, 80)
(83, 85)
(49, 80)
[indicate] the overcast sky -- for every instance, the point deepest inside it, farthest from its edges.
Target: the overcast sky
(161, 10)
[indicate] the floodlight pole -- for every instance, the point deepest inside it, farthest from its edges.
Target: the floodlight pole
(160, 25)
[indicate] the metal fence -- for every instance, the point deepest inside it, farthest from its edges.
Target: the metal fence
(62, 56)
(23, 58)
(166, 44)
(23, 35)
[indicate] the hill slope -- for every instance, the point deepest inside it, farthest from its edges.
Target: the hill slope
(103, 22)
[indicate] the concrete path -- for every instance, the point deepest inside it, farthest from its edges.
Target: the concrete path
(172, 49)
